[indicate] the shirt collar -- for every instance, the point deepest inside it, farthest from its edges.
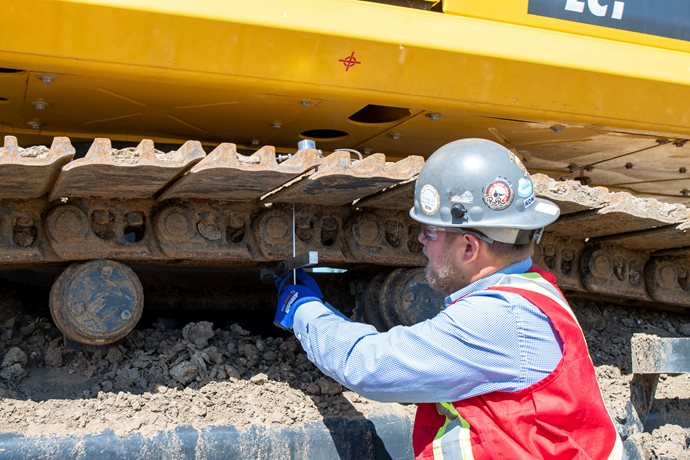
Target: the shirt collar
(518, 267)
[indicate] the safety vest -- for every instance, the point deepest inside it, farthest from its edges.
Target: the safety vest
(560, 417)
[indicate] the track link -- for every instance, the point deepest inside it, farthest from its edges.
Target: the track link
(142, 204)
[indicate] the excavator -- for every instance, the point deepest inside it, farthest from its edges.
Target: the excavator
(148, 141)
(140, 138)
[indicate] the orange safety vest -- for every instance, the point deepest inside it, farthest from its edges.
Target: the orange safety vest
(560, 417)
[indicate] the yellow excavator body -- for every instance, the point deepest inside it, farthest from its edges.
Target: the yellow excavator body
(273, 71)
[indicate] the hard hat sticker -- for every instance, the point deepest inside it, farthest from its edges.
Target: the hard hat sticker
(547, 208)
(429, 199)
(465, 198)
(525, 188)
(498, 195)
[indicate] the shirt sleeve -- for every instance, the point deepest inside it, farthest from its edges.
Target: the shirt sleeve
(480, 344)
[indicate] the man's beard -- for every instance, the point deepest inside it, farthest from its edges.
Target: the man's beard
(446, 278)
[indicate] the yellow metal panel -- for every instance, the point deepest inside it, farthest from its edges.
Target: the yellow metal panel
(187, 63)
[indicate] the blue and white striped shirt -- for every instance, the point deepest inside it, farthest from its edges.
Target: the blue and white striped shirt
(493, 341)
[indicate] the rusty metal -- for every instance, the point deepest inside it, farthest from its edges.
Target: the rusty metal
(339, 181)
(139, 172)
(407, 299)
(399, 196)
(204, 231)
(97, 302)
(227, 175)
(316, 229)
(30, 173)
(144, 205)
(370, 304)
(85, 229)
(379, 236)
(21, 232)
(667, 280)
(614, 271)
(561, 256)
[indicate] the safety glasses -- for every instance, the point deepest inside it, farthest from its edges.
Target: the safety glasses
(431, 232)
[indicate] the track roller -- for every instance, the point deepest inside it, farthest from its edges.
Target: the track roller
(401, 298)
(96, 302)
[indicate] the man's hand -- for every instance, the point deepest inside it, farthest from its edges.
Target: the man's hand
(291, 296)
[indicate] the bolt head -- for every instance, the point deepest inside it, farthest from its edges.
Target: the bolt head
(433, 116)
(47, 78)
(35, 124)
(40, 105)
(394, 136)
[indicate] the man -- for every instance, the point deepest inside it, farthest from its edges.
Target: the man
(503, 371)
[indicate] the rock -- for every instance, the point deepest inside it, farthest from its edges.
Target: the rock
(329, 387)
(214, 355)
(250, 352)
(184, 372)
(231, 372)
(684, 329)
(259, 379)
(13, 372)
(198, 334)
(53, 357)
(27, 330)
(114, 355)
(15, 355)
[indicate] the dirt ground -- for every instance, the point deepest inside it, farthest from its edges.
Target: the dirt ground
(203, 375)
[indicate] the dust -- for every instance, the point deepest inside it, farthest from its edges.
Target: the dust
(131, 155)
(158, 378)
(34, 152)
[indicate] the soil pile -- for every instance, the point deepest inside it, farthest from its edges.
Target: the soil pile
(158, 378)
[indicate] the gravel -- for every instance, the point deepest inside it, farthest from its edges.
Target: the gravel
(158, 378)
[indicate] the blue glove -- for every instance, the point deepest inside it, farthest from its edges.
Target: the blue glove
(291, 296)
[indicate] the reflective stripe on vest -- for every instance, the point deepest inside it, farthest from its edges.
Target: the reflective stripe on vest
(453, 439)
(534, 282)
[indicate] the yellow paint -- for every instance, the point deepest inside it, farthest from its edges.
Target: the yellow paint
(208, 70)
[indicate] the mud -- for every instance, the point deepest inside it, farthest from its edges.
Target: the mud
(160, 377)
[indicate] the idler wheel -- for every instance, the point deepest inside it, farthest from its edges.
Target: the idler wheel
(97, 302)
(407, 299)
(370, 300)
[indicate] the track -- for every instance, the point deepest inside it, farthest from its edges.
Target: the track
(184, 206)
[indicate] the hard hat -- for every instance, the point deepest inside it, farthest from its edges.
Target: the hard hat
(479, 184)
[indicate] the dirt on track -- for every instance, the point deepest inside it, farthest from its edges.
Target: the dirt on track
(200, 375)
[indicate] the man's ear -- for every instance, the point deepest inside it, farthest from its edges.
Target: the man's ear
(471, 247)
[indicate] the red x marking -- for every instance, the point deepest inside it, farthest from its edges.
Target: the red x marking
(350, 61)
